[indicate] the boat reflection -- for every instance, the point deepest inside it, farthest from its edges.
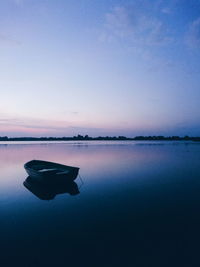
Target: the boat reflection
(48, 191)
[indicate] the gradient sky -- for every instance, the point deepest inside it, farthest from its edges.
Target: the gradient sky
(99, 67)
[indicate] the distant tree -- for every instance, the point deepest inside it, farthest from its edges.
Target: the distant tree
(3, 138)
(122, 138)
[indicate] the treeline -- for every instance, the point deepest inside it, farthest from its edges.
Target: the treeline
(103, 138)
(168, 138)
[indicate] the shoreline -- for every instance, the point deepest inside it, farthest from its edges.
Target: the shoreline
(117, 139)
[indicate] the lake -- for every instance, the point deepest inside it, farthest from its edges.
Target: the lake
(139, 205)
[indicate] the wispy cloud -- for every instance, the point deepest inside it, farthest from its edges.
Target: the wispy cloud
(135, 26)
(7, 40)
(21, 126)
(193, 34)
(19, 2)
(33, 123)
(166, 10)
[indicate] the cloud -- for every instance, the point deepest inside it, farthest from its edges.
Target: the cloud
(193, 34)
(136, 25)
(22, 122)
(24, 126)
(166, 10)
(19, 2)
(21, 126)
(5, 39)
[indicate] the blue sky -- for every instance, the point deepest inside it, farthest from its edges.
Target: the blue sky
(106, 67)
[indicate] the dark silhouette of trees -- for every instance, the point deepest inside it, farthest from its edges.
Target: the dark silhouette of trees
(103, 138)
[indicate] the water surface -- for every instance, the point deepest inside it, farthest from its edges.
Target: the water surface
(139, 206)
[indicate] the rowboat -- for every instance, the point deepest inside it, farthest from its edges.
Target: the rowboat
(46, 171)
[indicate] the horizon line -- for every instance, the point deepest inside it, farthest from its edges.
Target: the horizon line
(87, 137)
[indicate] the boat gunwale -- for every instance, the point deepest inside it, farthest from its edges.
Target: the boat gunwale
(29, 165)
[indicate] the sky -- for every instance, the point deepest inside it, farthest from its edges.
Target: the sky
(99, 67)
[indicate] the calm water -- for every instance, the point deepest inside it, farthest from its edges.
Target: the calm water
(139, 206)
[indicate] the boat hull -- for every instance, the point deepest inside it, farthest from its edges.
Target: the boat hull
(45, 171)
